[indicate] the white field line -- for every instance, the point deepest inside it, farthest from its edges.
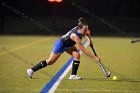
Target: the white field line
(89, 90)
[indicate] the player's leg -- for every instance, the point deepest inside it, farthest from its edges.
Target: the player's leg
(76, 62)
(52, 59)
(57, 50)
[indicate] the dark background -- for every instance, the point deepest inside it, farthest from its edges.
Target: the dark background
(42, 17)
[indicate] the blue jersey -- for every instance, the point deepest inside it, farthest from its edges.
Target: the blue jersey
(63, 43)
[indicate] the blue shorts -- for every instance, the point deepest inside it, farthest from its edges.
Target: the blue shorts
(59, 47)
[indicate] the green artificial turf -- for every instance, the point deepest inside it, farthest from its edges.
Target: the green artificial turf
(118, 55)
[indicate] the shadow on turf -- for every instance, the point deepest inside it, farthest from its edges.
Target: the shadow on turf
(110, 79)
(31, 78)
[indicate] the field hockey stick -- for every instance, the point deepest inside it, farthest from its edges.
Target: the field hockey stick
(101, 65)
(134, 41)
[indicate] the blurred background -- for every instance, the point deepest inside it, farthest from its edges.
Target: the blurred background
(50, 17)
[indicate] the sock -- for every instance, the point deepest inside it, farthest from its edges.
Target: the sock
(75, 66)
(40, 65)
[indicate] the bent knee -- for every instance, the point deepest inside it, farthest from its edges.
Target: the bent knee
(76, 55)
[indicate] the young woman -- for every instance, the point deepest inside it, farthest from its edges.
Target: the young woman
(67, 43)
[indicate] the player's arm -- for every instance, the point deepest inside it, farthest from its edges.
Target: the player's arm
(78, 41)
(88, 37)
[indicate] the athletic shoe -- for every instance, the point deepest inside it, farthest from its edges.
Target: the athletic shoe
(74, 77)
(30, 73)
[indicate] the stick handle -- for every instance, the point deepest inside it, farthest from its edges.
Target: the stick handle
(94, 50)
(101, 65)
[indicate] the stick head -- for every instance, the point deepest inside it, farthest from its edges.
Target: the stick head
(132, 41)
(108, 74)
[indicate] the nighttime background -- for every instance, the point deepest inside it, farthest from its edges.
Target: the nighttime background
(43, 17)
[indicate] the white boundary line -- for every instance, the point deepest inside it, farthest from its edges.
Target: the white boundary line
(89, 90)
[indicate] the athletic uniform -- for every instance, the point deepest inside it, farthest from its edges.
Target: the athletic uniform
(63, 43)
(60, 46)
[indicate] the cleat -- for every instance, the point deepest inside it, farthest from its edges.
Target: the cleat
(74, 77)
(30, 73)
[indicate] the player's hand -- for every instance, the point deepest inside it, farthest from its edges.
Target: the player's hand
(97, 59)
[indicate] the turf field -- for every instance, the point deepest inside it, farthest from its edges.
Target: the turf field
(119, 56)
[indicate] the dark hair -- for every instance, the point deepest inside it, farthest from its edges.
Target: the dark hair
(81, 22)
